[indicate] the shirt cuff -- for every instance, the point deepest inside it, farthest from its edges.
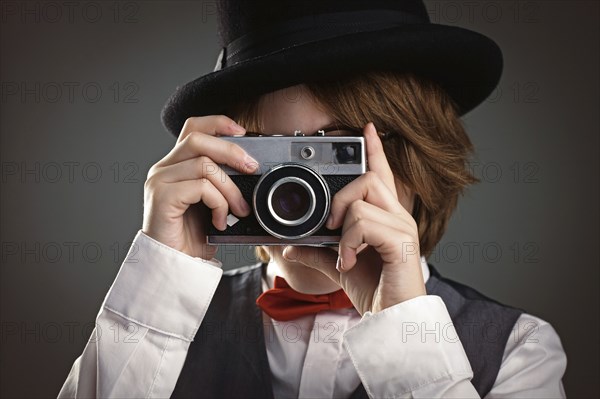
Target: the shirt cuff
(162, 288)
(405, 347)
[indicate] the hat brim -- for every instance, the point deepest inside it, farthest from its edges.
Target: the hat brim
(468, 65)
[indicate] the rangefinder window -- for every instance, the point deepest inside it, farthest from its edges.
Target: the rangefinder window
(346, 153)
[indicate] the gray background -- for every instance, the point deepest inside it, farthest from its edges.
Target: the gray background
(82, 88)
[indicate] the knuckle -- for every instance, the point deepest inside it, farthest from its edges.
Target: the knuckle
(151, 172)
(148, 185)
(344, 243)
(230, 147)
(361, 224)
(149, 182)
(222, 119)
(194, 138)
(188, 140)
(235, 150)
(223, 207)
(152, 180)
(208, 168)
(203, 163)
(356, 210)
(371, 178)
(236, 155)
(189, 123)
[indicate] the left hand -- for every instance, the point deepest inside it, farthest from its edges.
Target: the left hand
(388, 269)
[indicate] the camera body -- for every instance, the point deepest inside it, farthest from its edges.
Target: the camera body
(291, 191)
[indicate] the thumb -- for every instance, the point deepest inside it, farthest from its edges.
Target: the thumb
(321, 259)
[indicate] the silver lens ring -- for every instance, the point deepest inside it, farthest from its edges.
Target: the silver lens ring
(311, 199)
(273, 230)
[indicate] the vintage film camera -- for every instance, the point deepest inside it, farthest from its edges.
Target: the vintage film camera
(291, 192)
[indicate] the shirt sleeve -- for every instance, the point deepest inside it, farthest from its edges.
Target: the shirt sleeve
(424, 358)
(145, 325)
(410, 350)
(533, 364)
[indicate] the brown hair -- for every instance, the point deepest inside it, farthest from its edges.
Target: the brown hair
(427, 147)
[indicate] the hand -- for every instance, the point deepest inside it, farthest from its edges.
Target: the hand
(182, 188)
(387, 270)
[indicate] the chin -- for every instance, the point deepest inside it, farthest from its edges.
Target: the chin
(305, 279)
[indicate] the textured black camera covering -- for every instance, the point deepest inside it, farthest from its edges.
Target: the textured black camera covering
(249, 226)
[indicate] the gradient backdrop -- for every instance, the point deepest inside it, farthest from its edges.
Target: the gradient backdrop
(82, 86)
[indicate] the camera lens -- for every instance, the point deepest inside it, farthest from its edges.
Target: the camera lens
(291, 201)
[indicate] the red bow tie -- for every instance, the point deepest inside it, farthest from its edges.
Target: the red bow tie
(283, 303)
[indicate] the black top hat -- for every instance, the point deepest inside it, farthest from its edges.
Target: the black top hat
(272, 44)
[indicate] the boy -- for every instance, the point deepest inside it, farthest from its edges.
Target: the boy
(369, 319)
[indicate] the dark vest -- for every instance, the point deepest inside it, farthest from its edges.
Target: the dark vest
(228, 357)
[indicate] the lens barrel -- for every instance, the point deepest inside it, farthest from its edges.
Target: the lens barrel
(291, 201)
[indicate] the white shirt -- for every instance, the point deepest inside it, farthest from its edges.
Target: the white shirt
(160, 296)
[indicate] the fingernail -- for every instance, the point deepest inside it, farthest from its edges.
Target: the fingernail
(329, 222)
(339, 264)
(237, 128)
(288, 253)
(250, 163)
(222, 225)
(245, 206)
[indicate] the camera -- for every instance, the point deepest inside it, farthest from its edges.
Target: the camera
(292, 189)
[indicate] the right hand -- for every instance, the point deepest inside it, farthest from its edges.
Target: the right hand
(185, 186)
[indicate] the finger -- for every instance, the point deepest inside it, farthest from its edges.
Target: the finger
(188, 192)
(322, 259)
(368, 187)
(391, 250)
(204, 167)
(362, 210)
(376, 159)
(212, 125)
(221, 151)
